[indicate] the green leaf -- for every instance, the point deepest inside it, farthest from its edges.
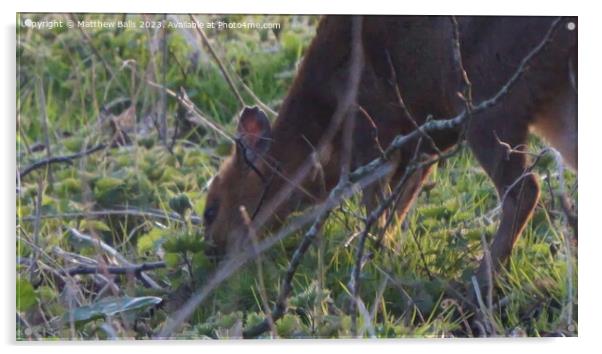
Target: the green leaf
(147, 142)
(187, 242)
(73, 144)
(287, 325)
(107, 183)
(148, 241)
(68, 187)
(123, 160)
(109, 190)
(227, 321)
(111, 307)
(26, 296)
(200, 260)
(172, 259)
(180, 204)
(95, 225)
(436, 212)
(194, 160)
(253, 319)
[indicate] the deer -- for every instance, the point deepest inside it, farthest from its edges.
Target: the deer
(414, 56)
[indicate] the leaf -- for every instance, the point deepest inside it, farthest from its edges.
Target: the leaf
(436, 212)
(253, 319)
(109, 190)
(229, 320)
(147, 142)
(107, 183)
(124, 160)
(200, 260)
(304, 315)
(73, 144)
(188, 242)
(287, 325)
(26, 296)
(194, 160)
(180, 204)
(291, 42)
(46, 294)
(172, 259)
(70, 186)
(94, 225)
(111, 307)
(148, 241)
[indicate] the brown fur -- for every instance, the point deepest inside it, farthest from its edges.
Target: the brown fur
(420, 48)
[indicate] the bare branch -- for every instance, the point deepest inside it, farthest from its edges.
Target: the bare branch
(135, 269)
(199, 117)
(467, 95)
(522, 67)
(111, 251)
(59, 159)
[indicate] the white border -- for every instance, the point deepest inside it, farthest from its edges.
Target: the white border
(590, 56)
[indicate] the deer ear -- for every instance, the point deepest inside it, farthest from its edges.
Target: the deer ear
(254, 134)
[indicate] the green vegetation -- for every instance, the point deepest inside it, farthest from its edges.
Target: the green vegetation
(142, 195)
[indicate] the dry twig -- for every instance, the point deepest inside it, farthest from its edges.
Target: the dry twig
(59, 159)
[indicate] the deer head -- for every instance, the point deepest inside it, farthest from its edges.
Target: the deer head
(239, 184)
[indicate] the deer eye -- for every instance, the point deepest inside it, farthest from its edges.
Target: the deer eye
(210, 213)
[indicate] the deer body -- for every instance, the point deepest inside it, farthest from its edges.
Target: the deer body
(414, 53)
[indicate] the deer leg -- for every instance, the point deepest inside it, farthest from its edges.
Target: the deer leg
(378, 192)
(410, 191)
(372, 196)
(492, 138)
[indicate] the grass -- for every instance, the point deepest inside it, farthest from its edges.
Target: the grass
(402, 285)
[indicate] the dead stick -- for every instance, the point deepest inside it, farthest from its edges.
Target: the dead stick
(59, 159)
(129, 269)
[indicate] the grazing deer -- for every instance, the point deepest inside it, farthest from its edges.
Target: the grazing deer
(413, 56)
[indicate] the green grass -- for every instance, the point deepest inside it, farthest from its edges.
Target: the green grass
(404, 282)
